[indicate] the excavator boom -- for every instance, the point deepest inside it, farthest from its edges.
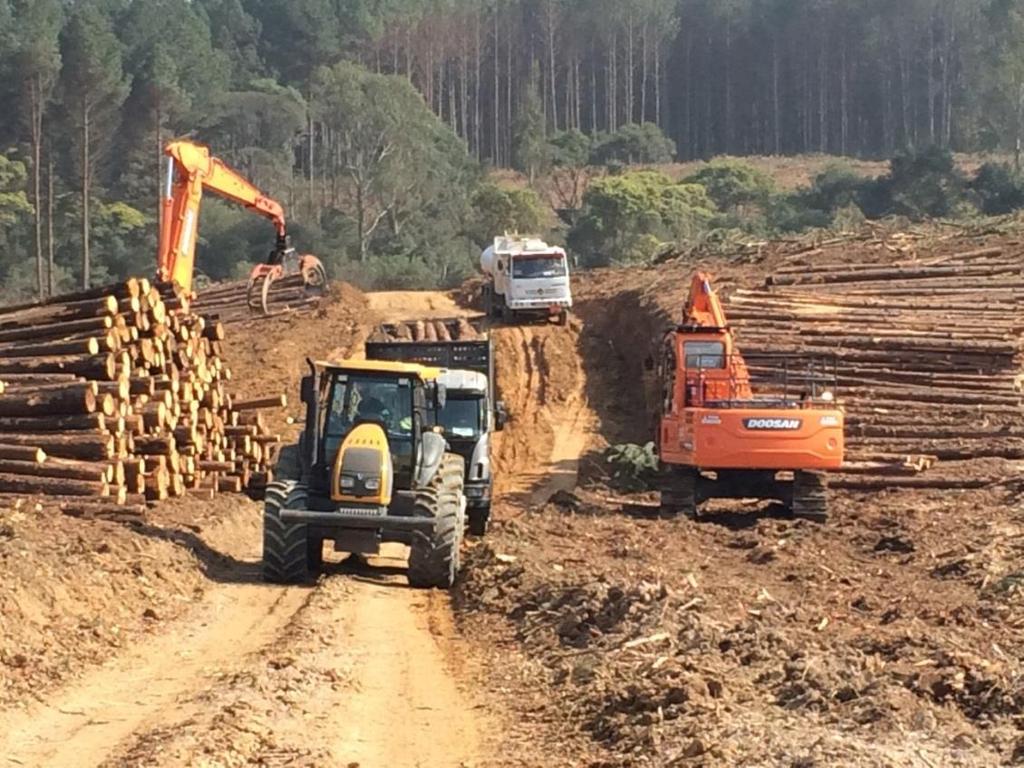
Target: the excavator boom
(191, 171)
(703, 309)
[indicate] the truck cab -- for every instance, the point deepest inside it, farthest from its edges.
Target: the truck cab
(471, 412)
(529, 279)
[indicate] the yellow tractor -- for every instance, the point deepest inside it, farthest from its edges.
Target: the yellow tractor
(371, 466)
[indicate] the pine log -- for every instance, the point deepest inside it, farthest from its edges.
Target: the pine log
(50, 485)
(71, 400)
(78, 445)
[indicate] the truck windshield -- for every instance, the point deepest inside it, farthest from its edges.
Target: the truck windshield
(463, 417)
(538, 266)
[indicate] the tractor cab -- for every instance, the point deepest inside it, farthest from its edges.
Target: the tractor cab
(401, 402)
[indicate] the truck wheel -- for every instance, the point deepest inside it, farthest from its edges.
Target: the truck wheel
(488, 301)
(507, 315)
(434, 555)
(478, 520)
(563, 318)
(679, 492)
(285, 551)
(810, 496)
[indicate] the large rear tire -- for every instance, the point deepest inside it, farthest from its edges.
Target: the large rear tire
(434, 556)
(285, 550)
(679, 491)
(810, 496)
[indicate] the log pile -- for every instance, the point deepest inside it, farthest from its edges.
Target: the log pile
(119, 394)
(927, 354)
(448, 329)
(232, 301)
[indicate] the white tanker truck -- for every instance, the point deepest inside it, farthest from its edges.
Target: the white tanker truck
(528, 279)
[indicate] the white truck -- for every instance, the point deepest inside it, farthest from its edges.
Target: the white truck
(528, 279)
(471, 412)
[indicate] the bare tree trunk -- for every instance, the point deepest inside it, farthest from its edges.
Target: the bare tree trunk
(776, 109)
(630, 71)
(551, 64)
(844, 99)
(496, 96)
(477, 130)
(50, 276)
(822, 93)
(36, 107)
(86, 162)
(644, 54)
(931, 80)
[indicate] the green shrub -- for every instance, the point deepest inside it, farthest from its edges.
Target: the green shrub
(628, 218)
(633, 144)
(733, 184)
(634, 467)
(997, 189)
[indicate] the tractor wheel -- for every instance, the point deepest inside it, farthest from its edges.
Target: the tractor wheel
(285, 551)
(679, 492)
(810, 496)
(479, 518)
(314, 554)
(434, 555)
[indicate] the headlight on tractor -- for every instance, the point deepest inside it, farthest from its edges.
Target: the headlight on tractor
(372, 484)
(348, 482)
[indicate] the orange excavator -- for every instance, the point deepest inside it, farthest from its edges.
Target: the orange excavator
(191, 170)
(717, 439)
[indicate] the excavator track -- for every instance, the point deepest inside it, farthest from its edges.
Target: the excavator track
(810, 496)
(679, 492)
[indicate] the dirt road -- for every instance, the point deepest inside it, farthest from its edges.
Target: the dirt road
(357, 669)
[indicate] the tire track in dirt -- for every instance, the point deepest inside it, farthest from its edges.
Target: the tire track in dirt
(81, 724)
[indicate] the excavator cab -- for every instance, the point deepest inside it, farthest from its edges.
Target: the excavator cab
(717, 438)
(370, 468)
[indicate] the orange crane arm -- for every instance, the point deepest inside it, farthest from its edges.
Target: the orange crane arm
(703, 309)
(191, 170)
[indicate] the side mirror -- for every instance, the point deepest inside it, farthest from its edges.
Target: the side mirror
(500, 416)
(307, 390)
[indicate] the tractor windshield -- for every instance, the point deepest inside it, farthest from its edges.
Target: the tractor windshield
(357, 398)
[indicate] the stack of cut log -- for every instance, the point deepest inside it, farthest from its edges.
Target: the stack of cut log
(927, 353)
(448, 329)
(119, 394)
(231, 301)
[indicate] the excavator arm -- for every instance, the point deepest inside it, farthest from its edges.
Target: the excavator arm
(191, 171)
(703, 308)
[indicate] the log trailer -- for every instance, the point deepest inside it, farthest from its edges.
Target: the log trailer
(471, 413)
(370, 467)
(527, 279)
(717, 439)
(191, 170)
